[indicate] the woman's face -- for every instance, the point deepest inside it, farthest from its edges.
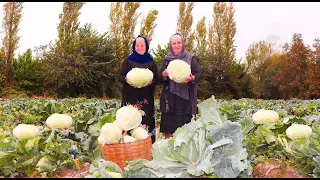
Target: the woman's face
(140, 46)
(176, 44)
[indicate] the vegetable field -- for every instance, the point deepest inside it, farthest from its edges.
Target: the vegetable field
(223, 141)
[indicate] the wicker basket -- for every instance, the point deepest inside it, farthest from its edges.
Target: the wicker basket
(120, 153)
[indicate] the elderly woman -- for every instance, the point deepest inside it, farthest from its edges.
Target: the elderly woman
(178, 101)
(140, 58)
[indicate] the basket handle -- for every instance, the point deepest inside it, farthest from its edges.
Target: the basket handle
(122, 139)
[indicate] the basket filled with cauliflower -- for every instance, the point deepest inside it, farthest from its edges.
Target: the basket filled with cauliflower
(125, 139)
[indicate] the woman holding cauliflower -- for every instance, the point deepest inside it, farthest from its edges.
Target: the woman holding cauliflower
(139, 76)
(179, 74)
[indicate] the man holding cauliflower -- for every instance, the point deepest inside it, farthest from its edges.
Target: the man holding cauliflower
(179, 74)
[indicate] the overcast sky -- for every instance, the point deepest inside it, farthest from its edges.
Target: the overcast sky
(255, 21)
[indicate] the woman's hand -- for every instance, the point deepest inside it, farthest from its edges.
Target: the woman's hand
(149, 83)
(165, 74)
(189, 78)
(130, 83)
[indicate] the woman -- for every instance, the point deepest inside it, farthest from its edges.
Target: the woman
(178, 101)
(140, 58)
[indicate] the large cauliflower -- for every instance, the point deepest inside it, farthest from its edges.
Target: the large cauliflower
(139, 77)
(296, 131)
(178, 70)
(128, 117)
(110, 134)
(58, 121)
(25, 131)
(263, 116)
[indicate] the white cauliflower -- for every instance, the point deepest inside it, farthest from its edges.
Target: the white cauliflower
(139, 77)
(58, 121)
(110, 134)
(139, 133)
(296, 131)
(127, 139)
(25, 131)
(128, 117)
(178, 70)
(263, 116)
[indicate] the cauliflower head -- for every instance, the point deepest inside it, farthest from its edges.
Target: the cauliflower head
(178, 70)
(139, 133)
(296, 131)
(139, 77)
(128, 117)
(25, 131)
(58, 121)
(110, 133)
(263, 116)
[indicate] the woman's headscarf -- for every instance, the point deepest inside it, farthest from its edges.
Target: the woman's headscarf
(171, 55)
(136, 57)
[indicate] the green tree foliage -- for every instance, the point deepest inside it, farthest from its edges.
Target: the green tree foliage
(201, 38)
(27, 74)
(222, 50)
(148, 25)
(158, 56)
(260, 62)
(90, 70)
(10, 24)
(123, 17)
(160, 53)
(184, 23)
(200, 50)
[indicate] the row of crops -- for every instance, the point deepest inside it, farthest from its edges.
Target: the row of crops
(224, 137)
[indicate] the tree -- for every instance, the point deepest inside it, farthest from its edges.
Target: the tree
(313, 73)
(12, 17)
(222, 32)
(148, 25)
(160, 53)
(184, 23)
(292, 69)
(123, 17)
(201, 37)
(89, 70)
(69, 24)
(222, 49)
(259, 64)
(28, 76)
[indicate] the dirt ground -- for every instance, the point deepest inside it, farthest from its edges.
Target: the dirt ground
(66, 173)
